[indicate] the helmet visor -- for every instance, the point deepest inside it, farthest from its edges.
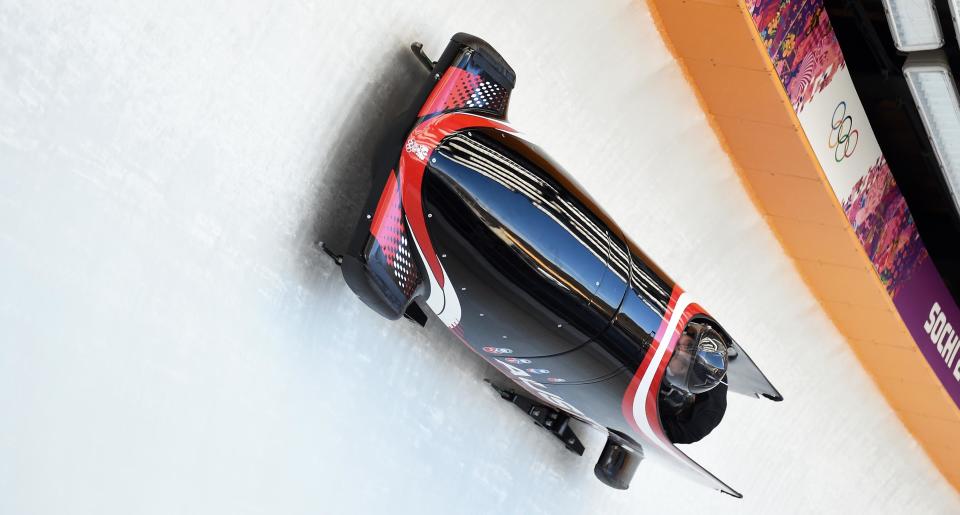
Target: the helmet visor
(699, 361)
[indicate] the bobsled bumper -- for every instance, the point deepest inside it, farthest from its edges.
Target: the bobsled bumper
(380, 264)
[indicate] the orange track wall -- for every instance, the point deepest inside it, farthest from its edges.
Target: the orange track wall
(716, 44)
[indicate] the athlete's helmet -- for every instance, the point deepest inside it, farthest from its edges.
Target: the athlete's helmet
(699, 361)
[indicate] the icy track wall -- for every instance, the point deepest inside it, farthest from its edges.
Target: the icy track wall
(173, 343)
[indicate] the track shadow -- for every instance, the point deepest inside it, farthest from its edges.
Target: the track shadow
(347, 170)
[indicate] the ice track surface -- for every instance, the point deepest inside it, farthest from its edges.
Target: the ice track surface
(172, 342)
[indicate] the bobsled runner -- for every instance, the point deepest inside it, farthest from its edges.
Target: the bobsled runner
(471, 222)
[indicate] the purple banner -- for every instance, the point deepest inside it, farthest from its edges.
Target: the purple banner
(929, 311)
(806, 56)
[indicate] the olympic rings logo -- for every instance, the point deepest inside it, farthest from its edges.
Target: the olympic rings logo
(843, 137)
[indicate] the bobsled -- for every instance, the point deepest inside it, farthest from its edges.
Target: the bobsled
(471, 223)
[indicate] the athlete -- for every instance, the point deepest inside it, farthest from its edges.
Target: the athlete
(693, 396)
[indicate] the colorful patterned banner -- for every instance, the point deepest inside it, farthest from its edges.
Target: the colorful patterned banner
(807, 57)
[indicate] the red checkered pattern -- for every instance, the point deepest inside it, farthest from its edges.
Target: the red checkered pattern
(390, 232)
(459, 89)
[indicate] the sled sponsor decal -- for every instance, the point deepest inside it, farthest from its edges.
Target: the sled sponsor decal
(417, 149)
(528, 383)
(497, 350)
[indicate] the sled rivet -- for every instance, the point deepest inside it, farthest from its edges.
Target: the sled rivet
(369, 217)
(596, 283)
(504, 337)
(430, 215)
(433, 160)
(436, 76)
(470, 134)
(481, 314)
(463, 289)
(443, 255)
(559, 326)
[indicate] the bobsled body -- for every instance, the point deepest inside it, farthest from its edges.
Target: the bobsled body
(470, 221)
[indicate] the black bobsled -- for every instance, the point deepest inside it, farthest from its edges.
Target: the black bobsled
(470, 221)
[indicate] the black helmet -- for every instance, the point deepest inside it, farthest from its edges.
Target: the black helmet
(700, 360)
